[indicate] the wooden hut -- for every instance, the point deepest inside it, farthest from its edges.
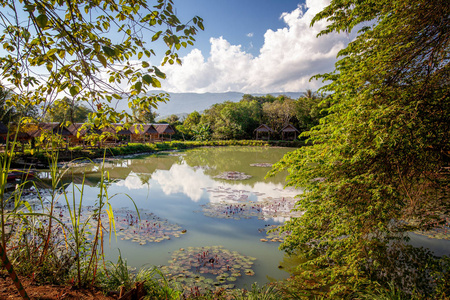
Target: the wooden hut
(51, 128)
(143, 133)
(289, 132)
(117, 133)
(80, 130)
(32, 131)
(263, 130)
(164, 130)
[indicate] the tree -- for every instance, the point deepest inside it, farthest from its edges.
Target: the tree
(13, 113)
(67, 110)
(375, 167)
(310, 109)
(193, 119)
(144, 116)
(279, 113)
(172, 120)
(92, 51)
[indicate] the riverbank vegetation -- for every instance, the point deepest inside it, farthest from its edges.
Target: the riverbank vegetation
(238, 120)
(378, 166)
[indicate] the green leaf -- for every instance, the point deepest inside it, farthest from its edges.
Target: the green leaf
(102, 59)
(138, 86)
(156, 83)
(156, 36)
(63, 86)
(42, 21)
(159, 73)
(62, 53)
(147, 78)
(108, 51)
(74, 90)
(51, 52)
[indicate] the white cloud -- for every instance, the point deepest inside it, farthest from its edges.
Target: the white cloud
(286, 62)
(181, 178)
(250, 34)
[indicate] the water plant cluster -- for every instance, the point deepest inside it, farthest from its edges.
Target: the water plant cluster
(233, 175)
(268, 208)
(207, 268)
(148, 228)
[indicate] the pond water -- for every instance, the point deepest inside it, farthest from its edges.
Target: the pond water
(204, 214)
(203, 211)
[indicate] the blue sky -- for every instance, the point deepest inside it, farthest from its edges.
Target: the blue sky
(251, 46)
(241, 22)
(254, 46)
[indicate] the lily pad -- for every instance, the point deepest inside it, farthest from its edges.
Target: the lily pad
(209, 266)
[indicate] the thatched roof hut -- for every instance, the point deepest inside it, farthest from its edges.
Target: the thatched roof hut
(81, 129)
(164, 129)
(289, 132)
(117, 132)
(263, 129)
(143, 132)
(52, 128)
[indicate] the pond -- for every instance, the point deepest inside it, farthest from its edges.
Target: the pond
(204, 213)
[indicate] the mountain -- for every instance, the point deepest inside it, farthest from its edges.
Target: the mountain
(185, 103)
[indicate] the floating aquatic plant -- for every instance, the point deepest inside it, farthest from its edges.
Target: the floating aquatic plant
(225, 210)
(148, 229)
(229, 194)
(206, 268)
(233, 175)
(263, 165)
(280, 207)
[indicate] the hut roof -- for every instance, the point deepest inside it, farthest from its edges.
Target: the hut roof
(164, 128)
(54, 127)
(76, 128)
(113, 129)
(289, 128)
(143, 129)
(264, 128)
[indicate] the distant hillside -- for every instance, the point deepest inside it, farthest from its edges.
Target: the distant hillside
(185, 103)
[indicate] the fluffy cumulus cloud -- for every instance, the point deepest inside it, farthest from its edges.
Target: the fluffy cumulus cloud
(286, 62)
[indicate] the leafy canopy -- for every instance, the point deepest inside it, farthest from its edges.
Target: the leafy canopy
(93, 51)
(377, 165)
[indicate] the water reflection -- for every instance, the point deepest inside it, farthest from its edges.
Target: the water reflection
(181, 189)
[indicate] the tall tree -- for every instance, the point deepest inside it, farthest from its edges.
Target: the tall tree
(94, 51)
(67, 110)
(378, 164)
(279, 113)
(144, 115)
(310, 109)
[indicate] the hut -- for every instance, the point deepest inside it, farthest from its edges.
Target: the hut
(117, 133)
(143, 133)
(79, 131)
(289, 132)
(263, 129)
(163, 130)
(32, 131)
(54, 128)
